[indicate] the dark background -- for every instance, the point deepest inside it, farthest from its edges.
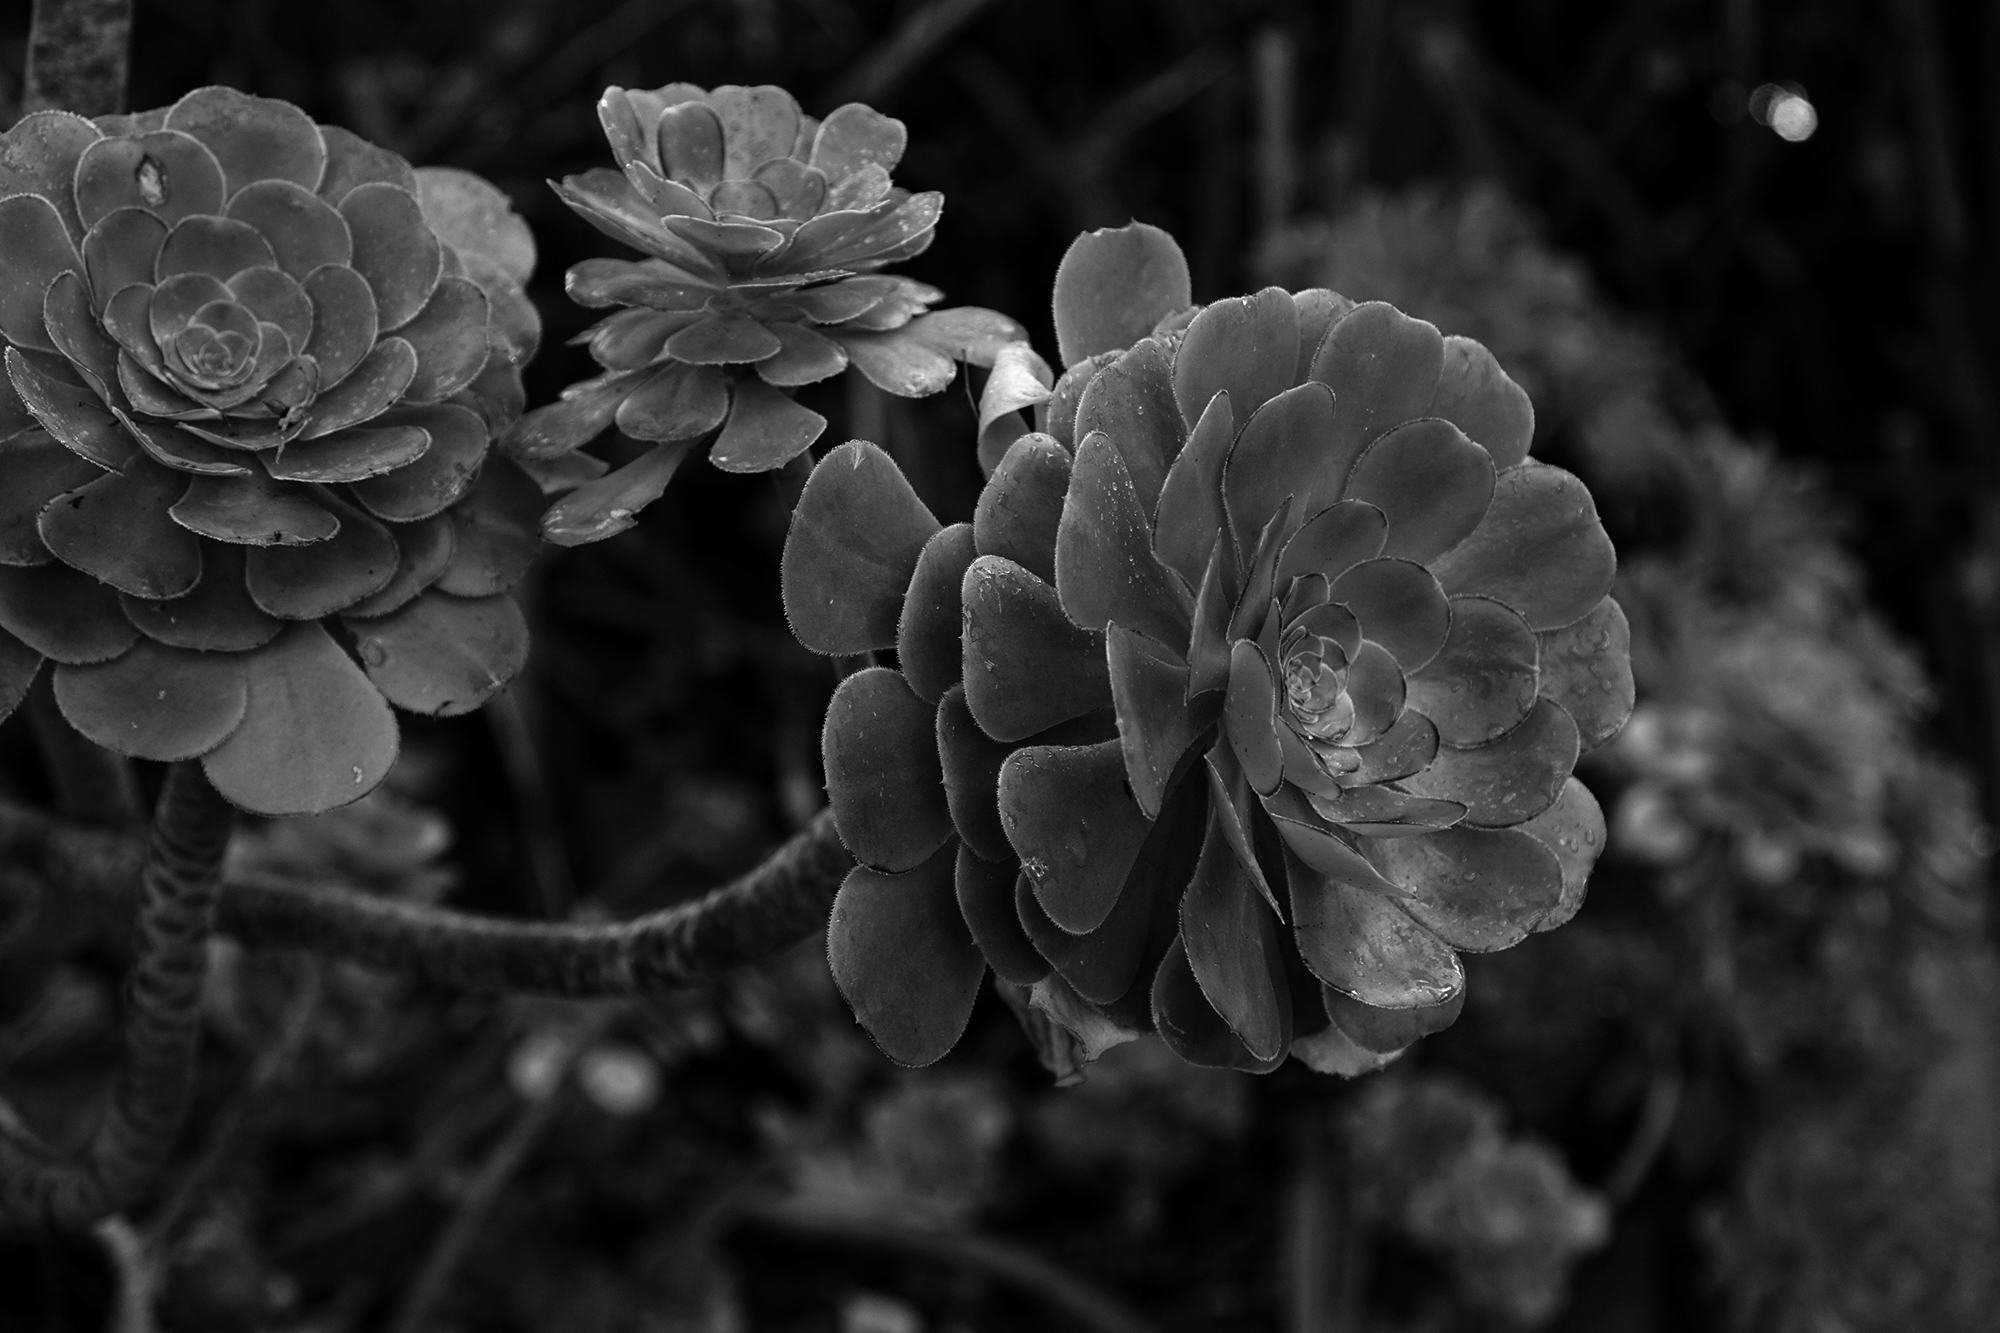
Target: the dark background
(1832, 298)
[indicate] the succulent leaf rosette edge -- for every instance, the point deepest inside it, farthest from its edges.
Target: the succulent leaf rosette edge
(1249, 699)
(254, 367)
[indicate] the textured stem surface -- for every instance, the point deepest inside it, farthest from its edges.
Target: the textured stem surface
(177, 895)
(750, 919)
(78, 51)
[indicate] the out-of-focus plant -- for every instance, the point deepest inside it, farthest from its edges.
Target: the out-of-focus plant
(1276, 626)
(1822, 873)
(765, 230)
(1430, 1158)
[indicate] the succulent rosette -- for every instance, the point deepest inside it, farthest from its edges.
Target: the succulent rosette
(254, 365)
(1247, 701)
(765, 231)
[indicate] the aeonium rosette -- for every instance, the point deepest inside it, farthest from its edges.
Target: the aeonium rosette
(254, 365)
(765, 231)
(1250, 696)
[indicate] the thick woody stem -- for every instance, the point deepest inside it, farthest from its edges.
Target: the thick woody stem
(178, 888)
(78, 55)
(750, 919)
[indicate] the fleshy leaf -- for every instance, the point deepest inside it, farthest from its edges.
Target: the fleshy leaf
(766, 429)
(1389, 1030)
(36, 467)
(1430, 482)
(449, 336)
(1573, 830)
(443, 656)
(1020, 509)
(1250, 717)
(19, 665)
(354, 454)
(308, 582)
(1247, 345)
(1156, 723)
(1478, 889)
(804, 356)
(1020, 381)
(1058, 415)
(1105, 566)
(1188, 1023)
(1383, 367)
(253, 138)
(1482, 682)
(1281, 454)
(897, 363)
(1587, 668)
(1400, 606)
(253, 511)
(1319, 309)
(1190, 512)
(882, 771)
(1102, 964)
(62, 614)
(185, 180)
(394, 250)
(1132, 402)
(116, 529)
(672, 402)
(904, 960)
(38, 248)
(218, 616)
(1331, 1051)
(1384, 812)
(424, 550)
(41, 154)
(1476, 395)
(855, 537)
(1405, 749)
(469, 213)
(155, 702)
(1365, 946)
(1113, 285)
(929, 640)
(611, 504)
(971, 761)
(1230, 802)
(316, 733)
(1074, 826)
(1510, 780)
(986, 901)
(71, 413)
(1232, 948)
(438, 478)
(1540, 549)
(497, 532)
(1333, 541)
(1027, 666)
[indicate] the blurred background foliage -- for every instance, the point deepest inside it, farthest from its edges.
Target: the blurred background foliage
(1756, 1083)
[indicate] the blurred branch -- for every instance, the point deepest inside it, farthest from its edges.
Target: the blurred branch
(78, 54)
(1649, 1135)
(985, 1255)
(748, 920)
(1321, 1238)
(138, 1276)
(162, 1024)
(503, 1161)
(1074, 171)
(514, 737)
(1274, 59)
(876, 77)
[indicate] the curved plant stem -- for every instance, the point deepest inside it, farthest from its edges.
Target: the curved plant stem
(177, 894)
(78, 55)
(750, 919)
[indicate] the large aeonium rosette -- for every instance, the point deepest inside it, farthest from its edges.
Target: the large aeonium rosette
(765, 230)
(1248, 699)
(254, 365)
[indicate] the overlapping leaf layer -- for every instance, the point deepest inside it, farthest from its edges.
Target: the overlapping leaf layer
(1248, 700)
(765, 232)
(254, 365)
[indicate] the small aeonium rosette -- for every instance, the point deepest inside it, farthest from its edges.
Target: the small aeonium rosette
(765, 231)
(1249, 698)
(254, 365)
